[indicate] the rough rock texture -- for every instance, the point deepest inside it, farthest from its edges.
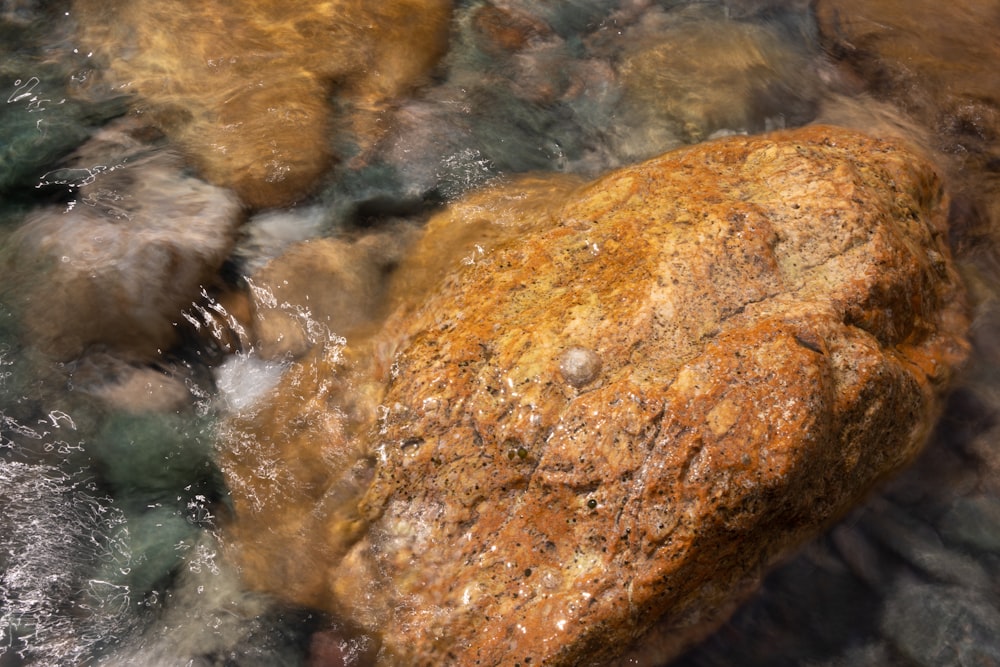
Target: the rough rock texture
(765, 324)
(115, 267)
(246, 90)
(911, 577)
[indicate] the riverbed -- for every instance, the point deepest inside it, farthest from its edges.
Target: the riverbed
(156, 156)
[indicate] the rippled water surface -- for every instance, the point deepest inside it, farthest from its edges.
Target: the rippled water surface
(155, 155)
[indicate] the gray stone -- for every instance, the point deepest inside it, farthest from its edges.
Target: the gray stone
(942, 626)
(973, 522)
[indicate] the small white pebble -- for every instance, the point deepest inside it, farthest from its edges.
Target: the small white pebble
(579, 366)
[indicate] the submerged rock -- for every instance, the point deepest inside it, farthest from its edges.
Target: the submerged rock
(35, 138)
(762, 329)
(321, 288)
(584, 87)
(245, 87)
(701, 77)
(113, 269)
(51, 105)
(935, 625)
(937, 67)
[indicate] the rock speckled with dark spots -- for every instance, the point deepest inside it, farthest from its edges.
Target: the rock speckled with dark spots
(776, 319)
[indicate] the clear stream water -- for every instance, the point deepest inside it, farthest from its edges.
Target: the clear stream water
(110, 501)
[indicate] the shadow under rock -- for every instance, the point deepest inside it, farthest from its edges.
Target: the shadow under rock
(903, 581)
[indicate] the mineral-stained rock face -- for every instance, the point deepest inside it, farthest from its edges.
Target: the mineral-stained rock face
(611, 416)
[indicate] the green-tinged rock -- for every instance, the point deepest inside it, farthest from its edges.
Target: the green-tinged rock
(155, 456)
(47, 106)
(158, 539)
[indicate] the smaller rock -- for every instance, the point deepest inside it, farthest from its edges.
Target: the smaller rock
(337, 647)
(605, 84)
(322, 289)
(579, 366)
(507, 29)
(250, 104)
(151, 455)
(940, 626)
(114, 268)
(917, 542)
(50, 105)
(128, 387)
(702, 77)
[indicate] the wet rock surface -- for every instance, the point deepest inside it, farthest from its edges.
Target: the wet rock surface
(580, 86)
(863, 594)
(939, 71)
(775, 320)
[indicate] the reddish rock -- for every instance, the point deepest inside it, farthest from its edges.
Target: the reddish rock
(603, 424)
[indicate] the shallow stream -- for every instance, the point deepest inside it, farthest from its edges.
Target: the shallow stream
(114, 172)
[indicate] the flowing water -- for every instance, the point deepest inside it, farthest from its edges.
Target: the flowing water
(155, 155)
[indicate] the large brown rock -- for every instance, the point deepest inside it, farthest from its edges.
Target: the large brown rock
(621, 403)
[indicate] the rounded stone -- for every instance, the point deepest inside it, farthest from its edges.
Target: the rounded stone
(579, 366)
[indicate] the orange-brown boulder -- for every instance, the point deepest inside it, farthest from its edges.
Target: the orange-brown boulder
(607, 418)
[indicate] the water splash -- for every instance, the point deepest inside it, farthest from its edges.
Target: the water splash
(243, 379)
(24, 91)
(53, 609)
